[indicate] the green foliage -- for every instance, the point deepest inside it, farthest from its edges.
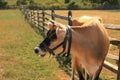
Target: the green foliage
(21, 2)
(31, 2)
(24, 2)
(3, 4)
(73, 5)
(67, 1)
(18, 3)
(68, 4)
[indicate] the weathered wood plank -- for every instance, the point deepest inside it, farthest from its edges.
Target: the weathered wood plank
(61, 17)
(47, 13)
(118, 74)
(57, 16)
(111, 67)
(112, 26)
(112, 57)
(115, 42)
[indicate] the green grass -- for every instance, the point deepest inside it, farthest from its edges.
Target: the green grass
(11, 2)
(17, 42)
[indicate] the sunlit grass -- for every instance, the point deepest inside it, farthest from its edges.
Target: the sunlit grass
(17, 58)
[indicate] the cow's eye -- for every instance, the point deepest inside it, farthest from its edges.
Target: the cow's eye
(48, 33)
(52, 35)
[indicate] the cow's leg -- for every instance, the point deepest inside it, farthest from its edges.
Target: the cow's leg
(86, 76)
(96, 76)
(73, 69)
(79, 70)
(80, 75)
(98, 73)
(73, 72)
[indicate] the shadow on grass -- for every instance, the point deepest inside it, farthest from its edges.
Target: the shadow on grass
(65, 64)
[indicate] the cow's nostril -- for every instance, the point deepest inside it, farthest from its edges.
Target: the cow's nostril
(36, 50)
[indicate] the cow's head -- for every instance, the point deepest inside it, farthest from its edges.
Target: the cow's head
(55, 37)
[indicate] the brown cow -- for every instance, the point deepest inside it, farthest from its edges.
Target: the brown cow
(88, 49)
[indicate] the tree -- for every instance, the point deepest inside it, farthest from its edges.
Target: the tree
(31, 2)
(73, 5)
(67, 1)
(24, 2)
(18, 3)
(21, 2)
(3, 4)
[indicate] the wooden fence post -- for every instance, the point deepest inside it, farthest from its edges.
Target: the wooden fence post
(31, 16)
(28, 14)
(43, 18)
(34, 19)
(118, 74)
(52, 15)
(69, 17)
(38, 17)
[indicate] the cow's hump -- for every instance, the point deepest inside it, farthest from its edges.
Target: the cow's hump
(85, 21)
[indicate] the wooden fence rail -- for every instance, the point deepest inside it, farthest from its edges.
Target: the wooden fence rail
(39, 17)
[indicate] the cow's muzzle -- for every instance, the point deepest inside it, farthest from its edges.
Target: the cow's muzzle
(38, 51)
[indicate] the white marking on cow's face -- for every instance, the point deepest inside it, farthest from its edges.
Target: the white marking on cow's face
(39, 51)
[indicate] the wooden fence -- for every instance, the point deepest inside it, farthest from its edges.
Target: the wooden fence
(38, 17)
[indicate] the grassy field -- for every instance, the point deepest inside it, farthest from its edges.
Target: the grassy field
(17, 42)
(17, 59)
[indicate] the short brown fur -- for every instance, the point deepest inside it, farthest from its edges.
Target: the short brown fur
(89, 48)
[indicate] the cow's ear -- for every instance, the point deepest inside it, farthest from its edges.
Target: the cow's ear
(50, 25)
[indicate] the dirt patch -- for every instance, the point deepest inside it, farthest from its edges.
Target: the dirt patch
(114, 52)
(62, 75)
(107, 75)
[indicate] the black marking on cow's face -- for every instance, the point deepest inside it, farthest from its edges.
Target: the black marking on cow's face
(51, 36)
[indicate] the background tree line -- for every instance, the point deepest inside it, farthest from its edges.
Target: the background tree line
(3, 4)
(64, 4)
